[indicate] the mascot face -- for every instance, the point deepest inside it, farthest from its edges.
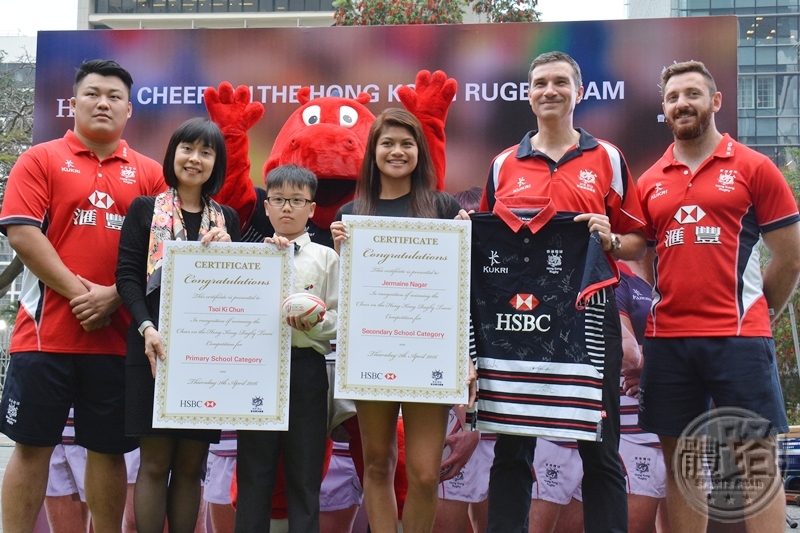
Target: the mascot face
(328, 136)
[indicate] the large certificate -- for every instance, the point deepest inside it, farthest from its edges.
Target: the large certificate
(228, 350)
(404, 310)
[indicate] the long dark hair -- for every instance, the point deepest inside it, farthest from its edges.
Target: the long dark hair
(422, 202)
(198, 129)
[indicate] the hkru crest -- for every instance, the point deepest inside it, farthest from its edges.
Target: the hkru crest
(554, 261)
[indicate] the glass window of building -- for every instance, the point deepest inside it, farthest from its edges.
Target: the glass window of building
(746, 92)
(766, 30)
(747, 31)
(786, 94)
(787, 130)
(787, 30)
(766, 58)
(765, 92)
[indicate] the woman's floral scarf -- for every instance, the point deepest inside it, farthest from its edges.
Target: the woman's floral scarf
(168, 225)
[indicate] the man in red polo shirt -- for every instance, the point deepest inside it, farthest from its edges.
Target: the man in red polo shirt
(581, 174)
(707, 202)
(63, 211)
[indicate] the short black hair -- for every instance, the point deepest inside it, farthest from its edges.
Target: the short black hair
(293, 176)
(104, 67)
(193, 130)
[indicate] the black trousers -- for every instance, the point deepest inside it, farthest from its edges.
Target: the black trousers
(303, 448)
(605, 502)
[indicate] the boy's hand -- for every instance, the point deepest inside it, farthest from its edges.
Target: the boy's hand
(339, 234)
(280, 242)
(303, 324)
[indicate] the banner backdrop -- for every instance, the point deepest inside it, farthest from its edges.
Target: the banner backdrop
(621, 62)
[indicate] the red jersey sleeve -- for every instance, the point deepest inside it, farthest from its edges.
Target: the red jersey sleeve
(774, 202)
(27, 195)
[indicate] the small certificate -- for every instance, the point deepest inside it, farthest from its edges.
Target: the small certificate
(228, 350)
(404, 310)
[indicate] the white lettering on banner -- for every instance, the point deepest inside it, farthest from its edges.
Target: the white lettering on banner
(609, 92)
(488, 92)
(288, 93)
(63, 105)
(175, 95)
(509, 91)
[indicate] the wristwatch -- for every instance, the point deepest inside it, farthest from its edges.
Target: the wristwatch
(144, 325)
(616, 244)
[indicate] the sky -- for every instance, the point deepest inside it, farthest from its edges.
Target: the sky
(28, 16)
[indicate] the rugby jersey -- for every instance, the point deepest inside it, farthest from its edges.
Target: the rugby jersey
(538, 307)
(705, 226)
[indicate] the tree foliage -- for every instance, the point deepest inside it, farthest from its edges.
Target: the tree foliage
(507, 10)
(383, 12)
(782, 327)
(388, 12)
(16, 112)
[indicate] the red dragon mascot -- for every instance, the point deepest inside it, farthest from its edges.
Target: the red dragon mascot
(326, 135)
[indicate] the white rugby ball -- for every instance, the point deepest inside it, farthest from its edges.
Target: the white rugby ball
(303, 305)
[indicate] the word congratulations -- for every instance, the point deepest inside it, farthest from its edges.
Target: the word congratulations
(238, 280)
(369, 252)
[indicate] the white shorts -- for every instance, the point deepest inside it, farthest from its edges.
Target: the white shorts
(132, 465)
(67, 470)
(471, 484)
(558, 472)
(340, 488)
(219, 475)
(644, 469)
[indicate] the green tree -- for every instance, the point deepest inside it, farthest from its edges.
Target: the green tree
(16, 131)
(387, 12)
(782, 327)
(507, 10)
(16, 112)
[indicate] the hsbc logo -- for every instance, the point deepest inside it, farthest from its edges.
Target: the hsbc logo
(192, 404)
(689, 214)
(100, 200)
(389, 376)
(210, 404)
(524, 302)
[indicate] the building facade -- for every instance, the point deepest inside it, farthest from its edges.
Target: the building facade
(179, 14)
(767, 100)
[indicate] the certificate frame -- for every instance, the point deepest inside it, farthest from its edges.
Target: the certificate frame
(397, 370)
(247, 385)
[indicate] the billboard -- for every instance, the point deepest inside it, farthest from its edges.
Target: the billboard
(621, 62)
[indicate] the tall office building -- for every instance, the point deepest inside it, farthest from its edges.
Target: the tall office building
(138, 14)
(769, 114)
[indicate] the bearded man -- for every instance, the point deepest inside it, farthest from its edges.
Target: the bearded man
(708, 202)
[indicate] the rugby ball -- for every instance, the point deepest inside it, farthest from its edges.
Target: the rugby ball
(303, 305)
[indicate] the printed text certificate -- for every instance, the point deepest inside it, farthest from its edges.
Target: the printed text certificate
(404, 310)
(228, 349)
